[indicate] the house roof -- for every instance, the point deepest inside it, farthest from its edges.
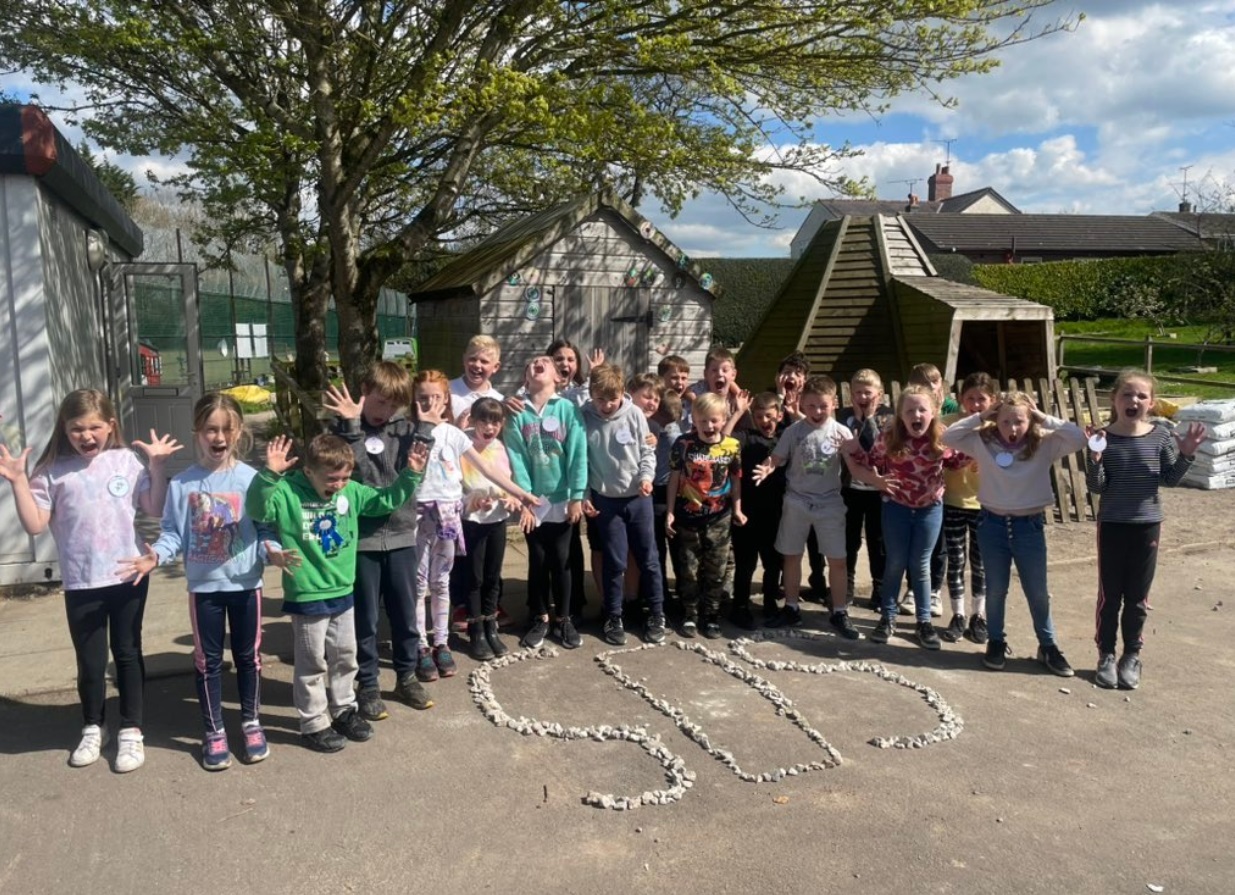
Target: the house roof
(509, 248)
(1207, 225)
(838, 208)
(31, 145)
(958, 204)
(1074, 233)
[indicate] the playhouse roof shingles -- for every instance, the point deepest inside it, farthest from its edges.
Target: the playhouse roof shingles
(1072, 234)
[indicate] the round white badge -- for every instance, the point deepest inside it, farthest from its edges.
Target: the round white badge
(374, 445)
(623, 436)
(1097, 442)
(828, 448)
(117, 486)
(1005, 459)
(342, 505)
(549, 424)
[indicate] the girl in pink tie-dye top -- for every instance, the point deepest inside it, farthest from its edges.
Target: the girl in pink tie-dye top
(87, 487)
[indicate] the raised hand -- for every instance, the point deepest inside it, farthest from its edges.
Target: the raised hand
(339, 402)
(158, 448)
(13, 468)
(138, 567)
(742, 400)
(1191, 439)
(288, 560)
(418, 456)
(762, 471)
(597, 357)
(278, 450)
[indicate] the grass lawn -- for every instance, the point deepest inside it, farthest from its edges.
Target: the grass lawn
(1169, 355)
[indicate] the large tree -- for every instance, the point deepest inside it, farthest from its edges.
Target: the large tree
(363, 133)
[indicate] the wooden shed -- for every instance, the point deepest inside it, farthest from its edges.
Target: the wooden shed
(864, 294)
(592, 270)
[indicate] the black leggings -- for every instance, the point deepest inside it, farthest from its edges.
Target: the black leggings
(548, 568)
(92, 614)
(482, 567)
(1127, 560)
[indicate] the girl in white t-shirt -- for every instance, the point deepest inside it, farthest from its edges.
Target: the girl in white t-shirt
(439, 515)
(87, 487)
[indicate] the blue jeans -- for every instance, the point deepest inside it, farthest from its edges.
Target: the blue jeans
(627, 530)
(386, 578)
(1003, 540)
(212, 614)
(909, 536)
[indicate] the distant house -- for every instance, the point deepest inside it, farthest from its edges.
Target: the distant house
(939, 200)
(592, 270)
(864, 294)
(1215, 229)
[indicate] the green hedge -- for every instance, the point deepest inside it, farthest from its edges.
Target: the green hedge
(749, 285)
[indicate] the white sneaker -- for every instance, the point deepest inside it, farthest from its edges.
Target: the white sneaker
(130, 753)
(93, 739)
(936, 605)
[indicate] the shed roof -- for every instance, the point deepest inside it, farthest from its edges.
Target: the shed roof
(1141, 234)
(974, 302)
(509, 248)
(31, 145)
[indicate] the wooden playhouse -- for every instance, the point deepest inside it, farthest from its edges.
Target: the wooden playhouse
(592, 270)
(864, 294)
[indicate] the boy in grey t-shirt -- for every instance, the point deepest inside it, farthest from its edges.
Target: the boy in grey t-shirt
(812, 499)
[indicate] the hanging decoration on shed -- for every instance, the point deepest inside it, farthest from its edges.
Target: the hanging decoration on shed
(532, 310)
(514, 279)
(651, 275)
(646, 230)
(632, 275)
(706, 282)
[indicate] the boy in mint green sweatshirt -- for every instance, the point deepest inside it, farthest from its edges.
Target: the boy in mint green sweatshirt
(317, 509)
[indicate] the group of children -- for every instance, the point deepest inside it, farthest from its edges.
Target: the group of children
(410, 513)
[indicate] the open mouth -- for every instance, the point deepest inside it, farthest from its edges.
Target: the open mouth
(918, 427)
(1132, 411)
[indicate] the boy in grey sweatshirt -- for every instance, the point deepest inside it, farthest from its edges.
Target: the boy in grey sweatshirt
(621, 464)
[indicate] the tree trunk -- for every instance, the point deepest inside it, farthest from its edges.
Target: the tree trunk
(359, 345)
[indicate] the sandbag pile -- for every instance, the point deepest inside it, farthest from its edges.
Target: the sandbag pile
(1215, 459)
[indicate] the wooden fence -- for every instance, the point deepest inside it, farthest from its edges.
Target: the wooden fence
(299, 412)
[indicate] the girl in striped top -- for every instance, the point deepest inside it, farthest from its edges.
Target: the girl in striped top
(1127, 462)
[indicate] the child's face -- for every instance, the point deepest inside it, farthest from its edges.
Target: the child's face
(378, 409)
(719, 375)
(816, 408)
(678, 380)
(432, 402)
(328, 482)
(566, 362)
(866, 396)
(936, 383)
(1134, 400)
(976, 400)
(1013, 421)
(710, 426)
(916, 414)
(89, 434)
(646, 399)
(540, 373)
(606, 405)
(790, 380)
(479, 367)
(216, 439)
(766, 418)
(484, 431)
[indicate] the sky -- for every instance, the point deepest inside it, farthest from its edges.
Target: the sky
(1103, 120)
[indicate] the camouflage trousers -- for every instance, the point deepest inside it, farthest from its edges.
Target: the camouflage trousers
(703, 549)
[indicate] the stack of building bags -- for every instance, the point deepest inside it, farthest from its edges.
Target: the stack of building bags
(1215, 460)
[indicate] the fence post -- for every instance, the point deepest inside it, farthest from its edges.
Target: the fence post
(1060, 341)
(1149, 354)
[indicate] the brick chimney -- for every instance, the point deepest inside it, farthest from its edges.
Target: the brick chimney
(939, 184)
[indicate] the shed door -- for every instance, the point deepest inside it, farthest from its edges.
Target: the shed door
(165, 353)
(615, 318)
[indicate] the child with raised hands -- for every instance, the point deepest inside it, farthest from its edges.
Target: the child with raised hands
(1015, 444)
(907, 463)
(317, 509)
(87, 487)
(1128, 461)
(224, 551)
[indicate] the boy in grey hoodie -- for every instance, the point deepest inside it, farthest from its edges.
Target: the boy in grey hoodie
(621, 464)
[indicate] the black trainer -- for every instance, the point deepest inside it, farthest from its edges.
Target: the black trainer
(927, 636)
(955, 629)
(711, 629)
(742, 616)
(495, 642)
(569, 634)
(1106, 676)
(1052, 658)
(884, 629)
(996, 656)
(352, 726)
(615, 631)
(790, 616)
(1129, 671)
(477, 644)
(369, 701)
(843, 626)
(324, 740)
(413, 692)
(690, 628)
(977, 631)
(535, 636)
(654, 631)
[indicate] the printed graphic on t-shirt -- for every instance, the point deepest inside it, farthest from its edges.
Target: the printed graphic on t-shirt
(706, 471)
(544, 437)
(214, 524)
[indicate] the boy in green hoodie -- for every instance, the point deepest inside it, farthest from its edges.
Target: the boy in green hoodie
(317, 509)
